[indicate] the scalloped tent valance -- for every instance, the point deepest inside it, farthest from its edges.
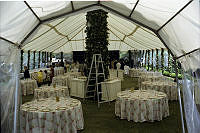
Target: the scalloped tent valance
(137, 24)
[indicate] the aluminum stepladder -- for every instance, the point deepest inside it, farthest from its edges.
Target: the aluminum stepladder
(93, 83)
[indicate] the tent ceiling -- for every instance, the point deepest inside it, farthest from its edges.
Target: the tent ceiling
(164, 18)
(68, 34)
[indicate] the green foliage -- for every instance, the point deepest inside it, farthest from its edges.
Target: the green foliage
(97, 37)
(166, 73)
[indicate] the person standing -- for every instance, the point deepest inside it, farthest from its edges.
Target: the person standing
(26, 72)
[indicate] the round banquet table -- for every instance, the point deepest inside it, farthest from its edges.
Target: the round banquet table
(60, 80)
(140, 106)
(58, 71)
(28, 86)
(49, 116)
(170, 88)
(50, 91)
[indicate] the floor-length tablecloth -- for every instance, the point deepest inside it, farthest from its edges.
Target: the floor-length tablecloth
(28, 86)
(49, 116)
(141, 106)
(60, 80)
(110, 89)
(50, 91)
(169, 88)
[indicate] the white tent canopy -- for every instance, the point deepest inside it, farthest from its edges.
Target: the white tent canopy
(58, 26)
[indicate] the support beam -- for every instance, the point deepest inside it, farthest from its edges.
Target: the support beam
(22, 52)
(29, 34)
(62, 63)
(174, 15)
(39, 60)
(157, 67)
(32, 11)
(158, 35)
(64, 14)
(129, 55)
(50, 56)
(148, 59)
(134, 8)
(28, 64)
(179, 95)
(188, 53)
(72, 6)
(152, 60)
(47, 57)
(145, 58)
(162, 59)
(7, 40)
(126, 17)
(34, 60)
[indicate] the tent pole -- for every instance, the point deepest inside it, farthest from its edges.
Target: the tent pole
(72, 5)
(39, 60)
(50, 56)
(179, 95)
(32, 11)
(157, 59)
(162, 59)
(174, 15)
(22, 52)
(148, 59)
(152, 60)
(134, 8)
(129, 55)
(34, 60)
(28, 65)
(188, 53)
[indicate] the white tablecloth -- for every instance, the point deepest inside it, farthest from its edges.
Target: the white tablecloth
(169, 88)
(58, 71)
(49, 116)
(71, 75)
(60, 80)
(141, 106)
(113, 87)
(78, 87)
(50, 91)
(28, 86)
(113, 73)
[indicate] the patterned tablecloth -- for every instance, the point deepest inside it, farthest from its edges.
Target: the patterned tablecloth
(141, 106)
(49, 116)
(170, 88)
(50, 91)
(28, 86)
(133, 72)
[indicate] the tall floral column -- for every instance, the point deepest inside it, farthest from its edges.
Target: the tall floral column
(97, 37)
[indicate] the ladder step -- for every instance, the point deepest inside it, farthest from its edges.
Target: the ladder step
(104, 101)
(98, 73)
(91, 85)
(100, 92)
(91, 91)
(89, 96)
(92, 79)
